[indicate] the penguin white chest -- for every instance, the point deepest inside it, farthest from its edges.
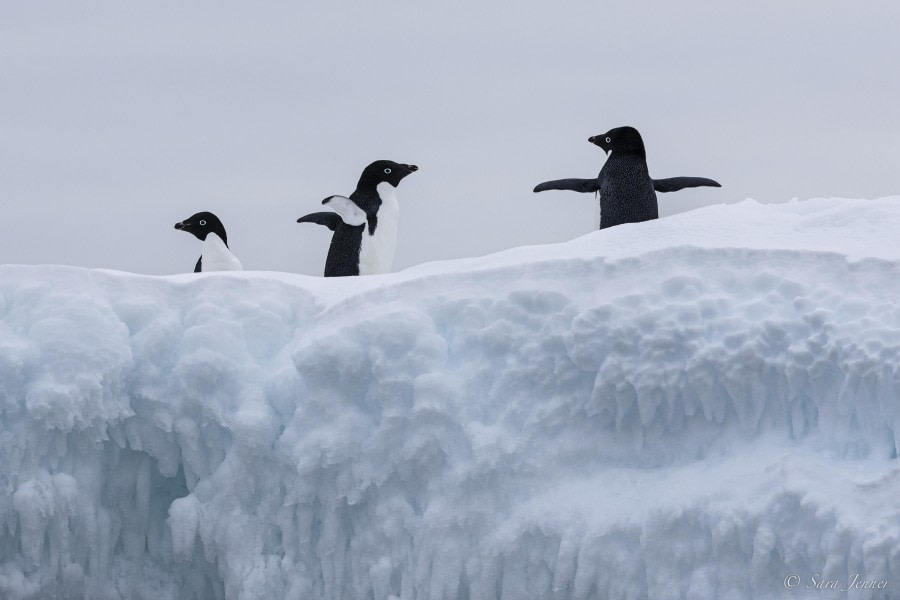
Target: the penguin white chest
(217, 257)
(376, 252)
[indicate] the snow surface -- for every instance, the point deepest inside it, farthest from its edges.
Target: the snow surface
(695, 407)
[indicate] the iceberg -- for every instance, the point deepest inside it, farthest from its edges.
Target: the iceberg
(702, 406)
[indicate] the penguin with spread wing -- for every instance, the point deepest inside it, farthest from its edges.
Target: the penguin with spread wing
(627, 193)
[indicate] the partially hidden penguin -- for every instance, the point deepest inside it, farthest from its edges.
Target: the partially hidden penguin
(216, 256)
(627, 193)
(365, 223)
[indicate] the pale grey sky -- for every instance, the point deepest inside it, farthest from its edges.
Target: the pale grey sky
(119, 120)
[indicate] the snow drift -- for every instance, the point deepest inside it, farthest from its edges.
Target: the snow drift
(697, 407)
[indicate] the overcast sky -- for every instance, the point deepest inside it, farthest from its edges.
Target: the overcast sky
(117, 120)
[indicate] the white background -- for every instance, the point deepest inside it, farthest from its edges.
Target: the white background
(117, 121)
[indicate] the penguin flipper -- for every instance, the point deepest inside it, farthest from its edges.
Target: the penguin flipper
(576, 185)
(349, 210)
(673, 184)
(328, 219)
(199, 266)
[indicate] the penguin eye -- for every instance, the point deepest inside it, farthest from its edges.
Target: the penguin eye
(387, 171)
(202, 223)
(608, 140)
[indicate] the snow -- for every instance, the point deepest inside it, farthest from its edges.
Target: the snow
(694, 407)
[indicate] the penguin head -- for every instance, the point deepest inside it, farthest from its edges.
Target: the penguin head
(621, 141)
(202, 224)
(382, 171)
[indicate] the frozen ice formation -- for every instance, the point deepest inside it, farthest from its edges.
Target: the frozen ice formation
(695, 407)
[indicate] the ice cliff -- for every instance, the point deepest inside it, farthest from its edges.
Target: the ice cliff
(696, 407)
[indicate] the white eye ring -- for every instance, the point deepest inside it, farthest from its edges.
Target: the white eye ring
(608, 140)
(202, 223)
(387, 171)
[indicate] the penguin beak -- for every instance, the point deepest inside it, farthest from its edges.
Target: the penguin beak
(179, 226)
(598, 141)
(412, 168)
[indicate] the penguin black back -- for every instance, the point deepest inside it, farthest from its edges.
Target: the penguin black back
(626, 190)
(343, 252)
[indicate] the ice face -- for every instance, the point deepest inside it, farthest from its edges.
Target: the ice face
(695, 406)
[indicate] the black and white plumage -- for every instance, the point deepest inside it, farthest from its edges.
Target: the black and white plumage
(627, 192)
(216, 256)
(365, 223)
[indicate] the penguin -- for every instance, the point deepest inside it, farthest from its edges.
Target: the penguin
(365, 223)
(627, 193)
(215, 256)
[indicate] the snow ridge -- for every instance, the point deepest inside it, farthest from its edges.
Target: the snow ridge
(692, 421)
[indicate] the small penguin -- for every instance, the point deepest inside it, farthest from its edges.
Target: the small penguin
(365, 223)
(627, 193)
(215, 256)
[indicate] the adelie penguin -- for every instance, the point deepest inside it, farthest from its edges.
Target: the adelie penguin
(627, 193)
(215, 256)
(365, 223)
